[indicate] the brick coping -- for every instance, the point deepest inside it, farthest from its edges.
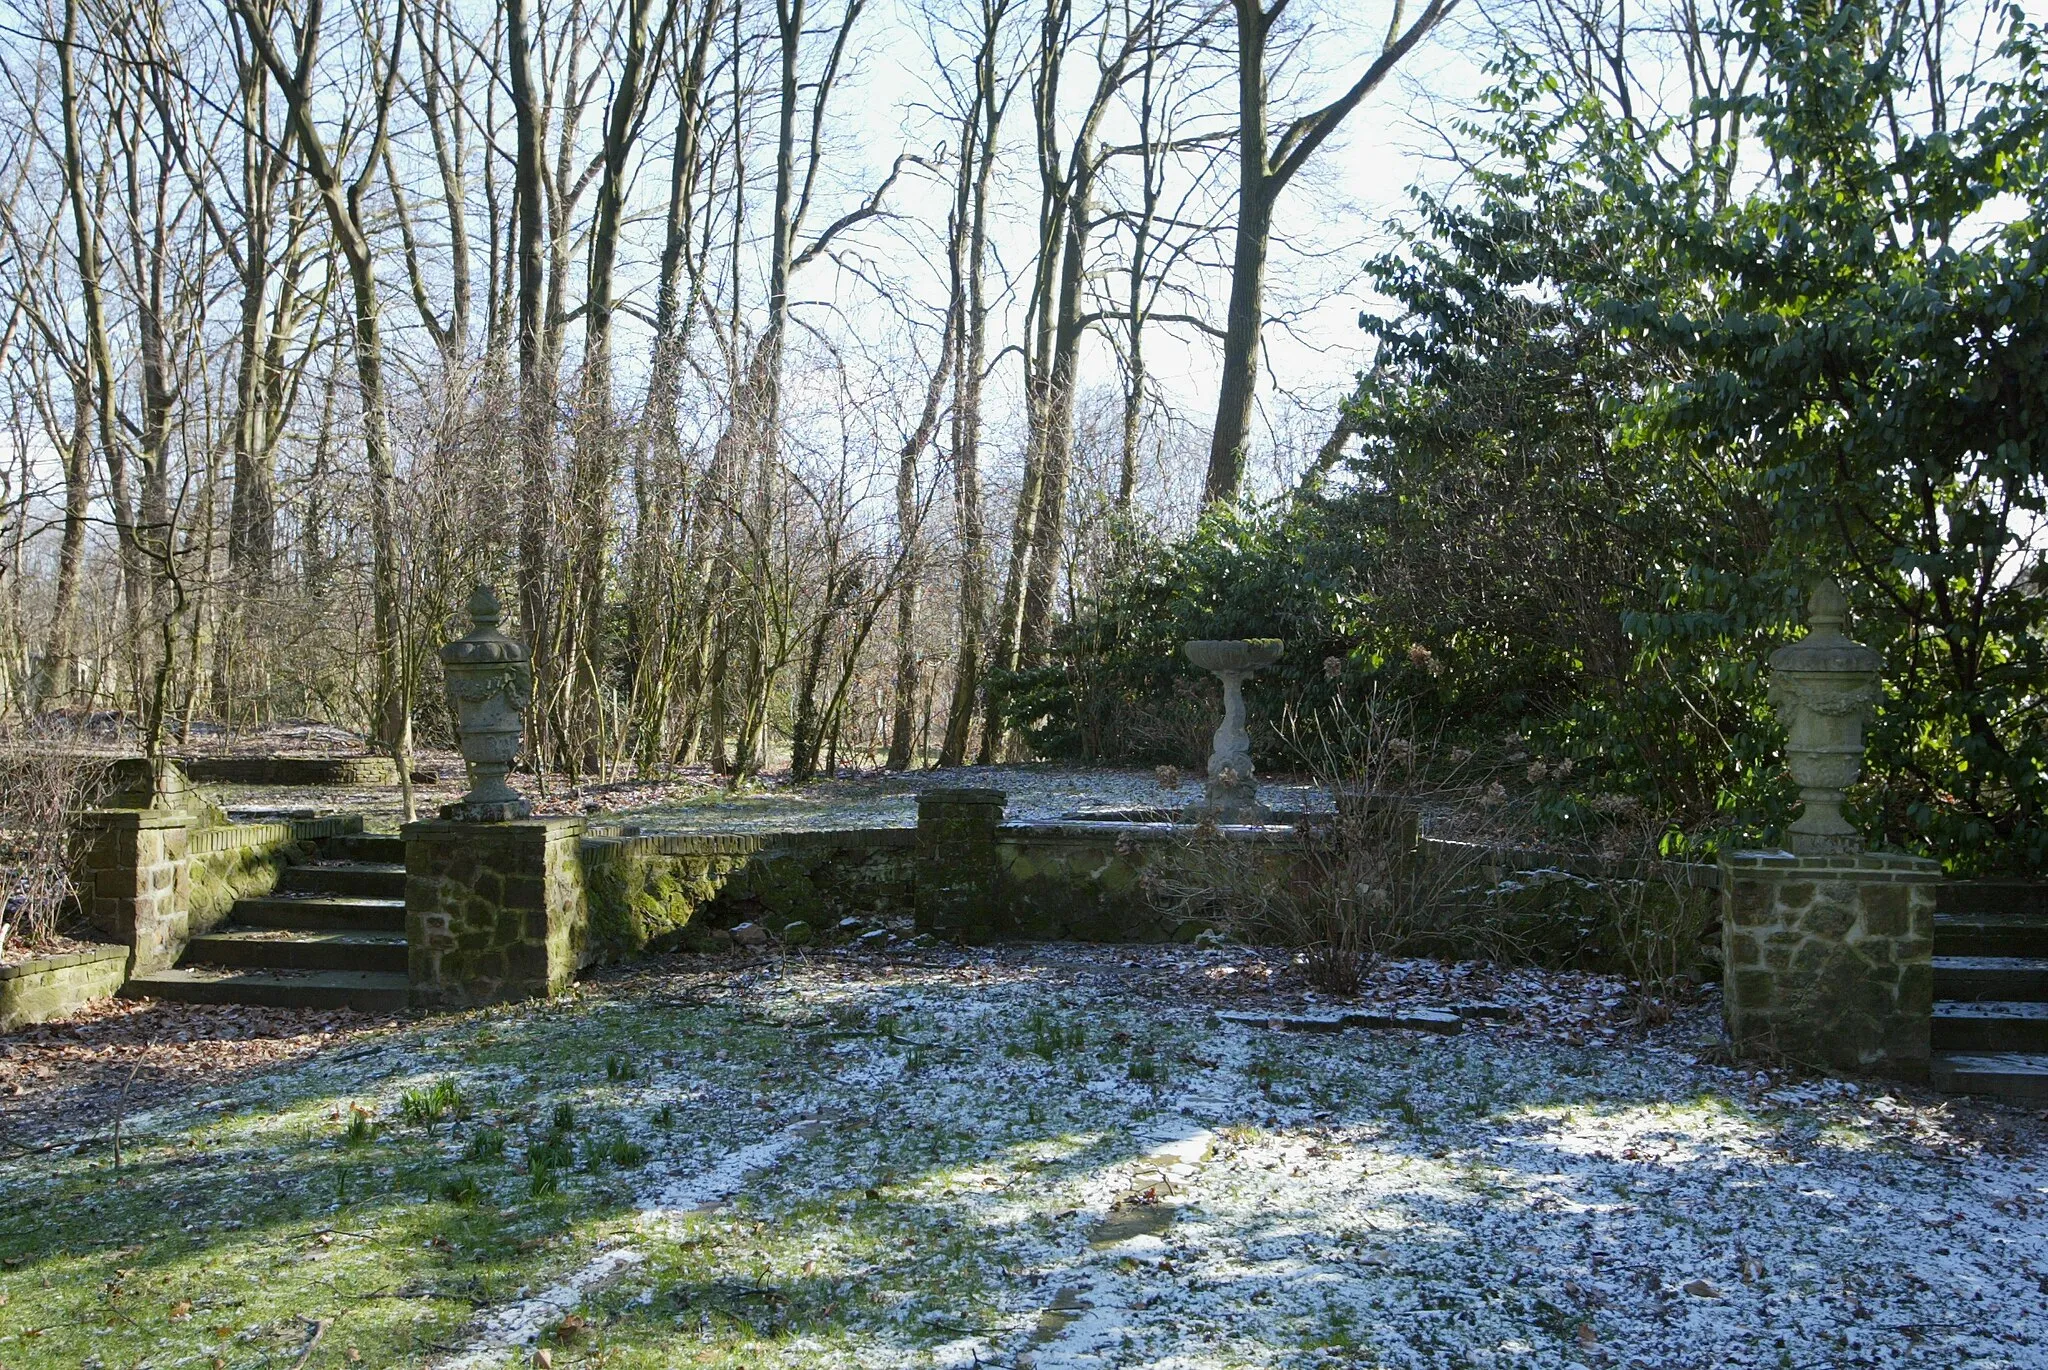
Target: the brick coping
(110, 951)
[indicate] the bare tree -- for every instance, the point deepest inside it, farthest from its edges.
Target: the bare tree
(1265, 166)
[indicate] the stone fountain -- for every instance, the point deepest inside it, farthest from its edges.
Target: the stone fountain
(489, 681)
(1232, 794)
(1824, 687)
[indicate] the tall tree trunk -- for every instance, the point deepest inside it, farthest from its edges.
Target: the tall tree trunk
(59, 670)
(979, 143)
(392, 712)
(1264, 169)
(595, 468)
(536, 397)
(909, 521)
(1048, 541)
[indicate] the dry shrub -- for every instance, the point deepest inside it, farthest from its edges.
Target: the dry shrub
(1660, 918)
(1350, 888)
(46, 779)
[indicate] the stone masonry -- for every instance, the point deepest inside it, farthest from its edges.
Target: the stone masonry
(1829, 958)
(958, 880)
(494, 911)
(134, 881)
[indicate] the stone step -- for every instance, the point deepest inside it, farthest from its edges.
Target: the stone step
(1990, 934)
(1998, 1026)
(1992, 896)
(332, 913)
(385, 849)
(359, 878)
(364, 991)
(2015, 1075)
(283, 949)
(1979, 978)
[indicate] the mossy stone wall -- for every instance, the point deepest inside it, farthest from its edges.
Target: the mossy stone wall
(1830, 958)
(668, 890)
(54, 986)
(1085, 883)
(494, 911)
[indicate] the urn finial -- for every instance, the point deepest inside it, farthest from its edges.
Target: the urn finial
(484, 610)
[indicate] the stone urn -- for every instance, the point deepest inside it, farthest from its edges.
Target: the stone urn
(1824, 687)
(1232, 793)
(489, 681)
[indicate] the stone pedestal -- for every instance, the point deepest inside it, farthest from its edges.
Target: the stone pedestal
(133, 876)
(1231, 795)
(494, 911)
(1829, 959)
(958, 879)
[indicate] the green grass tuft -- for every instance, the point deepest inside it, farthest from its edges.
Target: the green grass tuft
(425, 1107)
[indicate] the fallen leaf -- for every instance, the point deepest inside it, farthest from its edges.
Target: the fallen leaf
(1702, 1289)
(181, 1310)
(1587, 1336)
(543, 1358)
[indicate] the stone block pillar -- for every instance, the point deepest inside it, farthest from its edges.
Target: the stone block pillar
(134, 884)
(958, 878)
(494, 911)
(1829, 958)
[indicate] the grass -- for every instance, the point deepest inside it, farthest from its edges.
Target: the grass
(927, 1167)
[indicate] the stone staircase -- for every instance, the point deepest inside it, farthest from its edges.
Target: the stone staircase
(332, 935)
(1990, 1032)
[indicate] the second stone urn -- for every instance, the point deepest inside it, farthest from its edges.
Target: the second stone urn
(1824, 687)
(1232, 794)
(489, 682)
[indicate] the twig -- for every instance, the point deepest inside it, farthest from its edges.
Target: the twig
(320, 1326)
(121, 1114)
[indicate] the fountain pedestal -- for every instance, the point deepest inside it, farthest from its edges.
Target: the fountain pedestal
(1232, 792)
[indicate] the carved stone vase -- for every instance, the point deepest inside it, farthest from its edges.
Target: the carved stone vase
(1232, 793)
(1825, 690)
(490, 681)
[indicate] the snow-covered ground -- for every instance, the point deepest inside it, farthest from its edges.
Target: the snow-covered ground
(1048, 1157)
(694, 800)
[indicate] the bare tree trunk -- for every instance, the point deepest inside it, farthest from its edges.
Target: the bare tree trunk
(99, 351)
(595, 462)
(1048, 540)
(346, 215)
(979, 145)
(536, 398)
(59, 666)
(909, 520)
(1263, 172)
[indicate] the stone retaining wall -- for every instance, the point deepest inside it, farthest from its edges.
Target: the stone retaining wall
(291, 770)
(1087, 882)
(663, 890)
(56, 986)
(1568, 911)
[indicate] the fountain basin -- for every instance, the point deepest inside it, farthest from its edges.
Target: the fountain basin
(1234, 654)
